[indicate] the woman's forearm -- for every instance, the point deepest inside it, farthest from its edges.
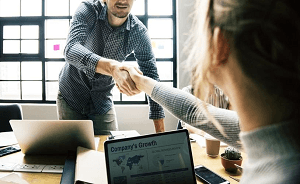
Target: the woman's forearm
(145, 84)
(191, 110)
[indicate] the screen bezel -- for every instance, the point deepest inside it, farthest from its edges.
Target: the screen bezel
(111, 141)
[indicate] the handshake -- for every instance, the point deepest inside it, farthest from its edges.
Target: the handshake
(128, 79)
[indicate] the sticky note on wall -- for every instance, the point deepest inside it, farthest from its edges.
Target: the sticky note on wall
(56, 47)
(153, 43)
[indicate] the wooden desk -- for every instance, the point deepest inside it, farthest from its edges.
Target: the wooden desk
(199, 156)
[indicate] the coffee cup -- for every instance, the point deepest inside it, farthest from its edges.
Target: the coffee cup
(212, 146)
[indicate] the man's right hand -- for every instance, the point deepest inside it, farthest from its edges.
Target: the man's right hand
(124, 82)
(122, 78)
(142, 83)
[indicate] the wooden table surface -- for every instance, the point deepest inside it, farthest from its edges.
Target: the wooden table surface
(199, 157)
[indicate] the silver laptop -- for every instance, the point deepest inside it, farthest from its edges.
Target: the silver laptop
(53, 136)
(154, 158)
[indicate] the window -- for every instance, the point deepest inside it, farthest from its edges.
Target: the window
(33, 36)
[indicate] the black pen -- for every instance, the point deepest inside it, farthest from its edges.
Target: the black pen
(238, 180)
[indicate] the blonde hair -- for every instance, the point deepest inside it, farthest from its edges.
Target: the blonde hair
(265, 36)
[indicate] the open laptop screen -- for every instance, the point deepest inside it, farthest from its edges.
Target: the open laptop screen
(53, 136)
(154, 158)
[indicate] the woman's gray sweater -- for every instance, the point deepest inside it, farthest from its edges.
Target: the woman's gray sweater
(273, 152)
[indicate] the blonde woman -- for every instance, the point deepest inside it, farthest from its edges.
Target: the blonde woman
(250, 49)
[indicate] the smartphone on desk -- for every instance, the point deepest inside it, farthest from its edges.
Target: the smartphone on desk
(209, 177)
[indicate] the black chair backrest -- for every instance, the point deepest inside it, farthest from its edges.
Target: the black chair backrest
(8, 112)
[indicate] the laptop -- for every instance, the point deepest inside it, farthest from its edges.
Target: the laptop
(154, 158)
(53, 136)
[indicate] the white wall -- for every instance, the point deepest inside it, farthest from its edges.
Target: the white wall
(130, 117)
(135, 116)
(184, 22)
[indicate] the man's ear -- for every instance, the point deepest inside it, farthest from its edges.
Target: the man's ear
(221, 48)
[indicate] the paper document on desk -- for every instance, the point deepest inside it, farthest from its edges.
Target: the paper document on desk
(7, 139)
(12, 179)
(97, 140)
(90, 167)
(124, 134)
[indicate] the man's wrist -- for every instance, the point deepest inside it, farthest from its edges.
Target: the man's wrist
(113, 67)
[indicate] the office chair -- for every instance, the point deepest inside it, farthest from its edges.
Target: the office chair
(8, 112)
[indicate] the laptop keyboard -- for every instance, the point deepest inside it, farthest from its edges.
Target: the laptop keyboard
(9, 150)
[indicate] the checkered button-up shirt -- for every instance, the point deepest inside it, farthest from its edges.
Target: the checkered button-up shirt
(91, 38)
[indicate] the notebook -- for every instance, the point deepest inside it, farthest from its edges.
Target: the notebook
(154, 158)
(53, 136)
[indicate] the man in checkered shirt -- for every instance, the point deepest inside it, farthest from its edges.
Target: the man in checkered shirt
(102, 35)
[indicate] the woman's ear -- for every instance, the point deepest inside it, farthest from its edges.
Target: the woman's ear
(221, 48)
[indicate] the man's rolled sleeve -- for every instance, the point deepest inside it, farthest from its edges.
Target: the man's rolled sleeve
(90, 69)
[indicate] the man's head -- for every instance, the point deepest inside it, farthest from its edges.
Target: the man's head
(118, 8)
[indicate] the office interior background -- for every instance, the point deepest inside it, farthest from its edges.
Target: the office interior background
(32, 38)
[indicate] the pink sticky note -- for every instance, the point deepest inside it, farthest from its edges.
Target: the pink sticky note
(56, 47)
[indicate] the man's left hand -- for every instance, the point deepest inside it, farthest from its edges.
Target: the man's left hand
(159, 125)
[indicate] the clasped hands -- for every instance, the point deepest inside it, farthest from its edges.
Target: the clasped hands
(126, 79)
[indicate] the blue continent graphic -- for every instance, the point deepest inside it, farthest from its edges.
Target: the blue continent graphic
(134, 160)
(119, 160)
